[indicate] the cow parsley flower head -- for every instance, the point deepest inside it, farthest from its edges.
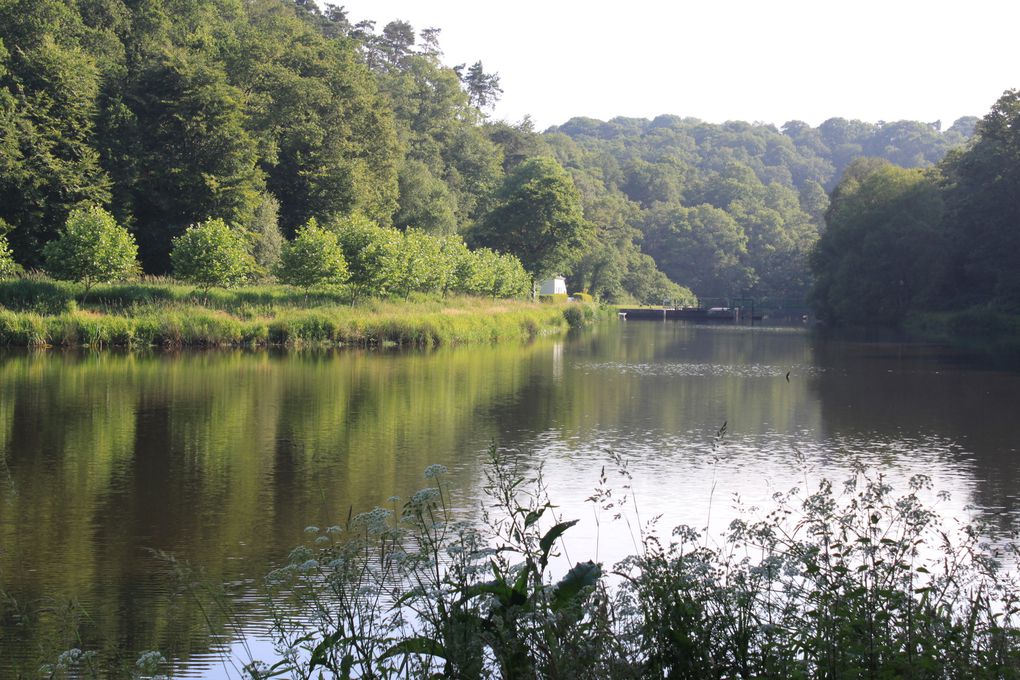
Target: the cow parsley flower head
(435, 470)
(424, 497)
(374, 520)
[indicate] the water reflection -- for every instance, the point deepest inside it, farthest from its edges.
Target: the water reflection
(221, 459)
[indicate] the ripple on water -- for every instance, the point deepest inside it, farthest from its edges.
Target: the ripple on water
(695, 370)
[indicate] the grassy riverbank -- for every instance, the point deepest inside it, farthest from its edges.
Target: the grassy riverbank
(39, 313)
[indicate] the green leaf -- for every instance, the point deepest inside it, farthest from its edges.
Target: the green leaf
(320, 655)
(415, 645)
(546, 543)
(535, 515)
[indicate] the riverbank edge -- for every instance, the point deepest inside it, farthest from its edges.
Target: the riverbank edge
(401, 325)
(976, 329)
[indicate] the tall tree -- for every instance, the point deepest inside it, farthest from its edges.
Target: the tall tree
(983, 201)
(881, 254)
(49, 89)
(483, 88)
(196, 158)
(537, 218)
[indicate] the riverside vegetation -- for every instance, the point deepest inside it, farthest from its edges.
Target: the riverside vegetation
(45, 313)
(851, 581)
(335, 269)
(833, 582)
(267, 113)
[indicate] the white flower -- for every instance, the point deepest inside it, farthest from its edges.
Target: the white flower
(435, 471)
(424, 497)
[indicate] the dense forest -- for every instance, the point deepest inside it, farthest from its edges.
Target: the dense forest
(733, 208)
(270, 113)
(938, 239)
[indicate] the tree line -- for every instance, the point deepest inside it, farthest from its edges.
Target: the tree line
(942, 238)
(726, 209)
(351, 252)
(267, 114)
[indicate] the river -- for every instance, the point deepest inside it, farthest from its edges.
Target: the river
(111, 463)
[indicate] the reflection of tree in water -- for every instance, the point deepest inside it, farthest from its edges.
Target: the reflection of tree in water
(647, 379)
(899, 391)
(224, 458)
(220, 459)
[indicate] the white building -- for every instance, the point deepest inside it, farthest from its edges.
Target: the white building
(554, 286)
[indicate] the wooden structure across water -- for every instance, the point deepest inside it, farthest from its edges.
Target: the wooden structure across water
(735, 314)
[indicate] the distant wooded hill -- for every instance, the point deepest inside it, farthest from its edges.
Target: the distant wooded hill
(729, 208)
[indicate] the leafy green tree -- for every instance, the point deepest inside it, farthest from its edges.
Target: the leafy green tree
(8, 267)
(313, 258)
(199, 158)
(418, 264)
(517, 141)
(650, 286)
(461, 263)
(982, 192)
(537, 218)
(327, 137)
(49, 91)
(211, 254)
(264, 233)
(425, 201)
(370, 252)
(497, 276)
(92, 249)
(702, 247)
(882, 252)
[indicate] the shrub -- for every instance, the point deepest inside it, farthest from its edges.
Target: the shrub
(370, 252)
(313, 258)
(211, 254)
(579, 315)
(92, 249)
(8, 267)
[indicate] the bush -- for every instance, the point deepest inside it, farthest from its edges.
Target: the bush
(313, 258)
(37, 294)
(579, 315)
(370, 252)
(583, 297)
(8, 267)
(211, 254)
(92, 249)
(982, 322)
(554, 298)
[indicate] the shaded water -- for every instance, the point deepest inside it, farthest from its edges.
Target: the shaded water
(221, 459)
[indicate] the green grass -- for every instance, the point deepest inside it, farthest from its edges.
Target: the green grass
(37, 312)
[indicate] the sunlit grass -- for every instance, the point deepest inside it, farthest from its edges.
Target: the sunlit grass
(37, 312)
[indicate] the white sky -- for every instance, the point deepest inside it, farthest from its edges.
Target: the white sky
(728, 59)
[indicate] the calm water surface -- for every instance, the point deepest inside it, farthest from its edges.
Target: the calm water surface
(222, 459)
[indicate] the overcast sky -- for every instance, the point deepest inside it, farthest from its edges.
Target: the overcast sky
(728, 59)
